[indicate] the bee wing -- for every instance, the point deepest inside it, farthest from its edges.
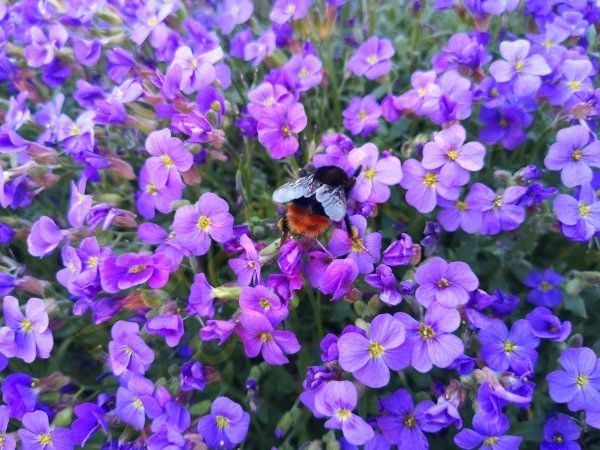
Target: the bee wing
(301, 187)
(333, 200)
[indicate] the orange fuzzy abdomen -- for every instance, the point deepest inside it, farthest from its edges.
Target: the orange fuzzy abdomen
(301, 221)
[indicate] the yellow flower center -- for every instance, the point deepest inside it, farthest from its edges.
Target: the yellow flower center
(264, 303)
(26, 326)
(376, 350)
(582, 381)
(494, 92)
(421, 92)
(584, 209)
(71, 266)
(503, 123)
(285, 130)
(372, 59)
(358, 245)
(362, 115)
(558, 438)
(151, 188)
(203, 223)
(343, 414)
(430, 180)
(574, 86)
(461, 206)
(370, 174)
(92, 261)
(2, 435)
(548, 44)
(137, 268)
(269, 101)
(545, 286)
(497, 202)
(492, 440)
(303, 73)
(444, 283)
(452, 154)
(519, 66)
(251, 264)
(426, 332)
(128, 350)
(153, 21)
(576, 155)
(193, 63)
(215, 106)
(45, 439)
(509, 347)
(266, 337)
(167, 161)
(290, 9)
(138, 403)
(75, 131)
(409, 420)
(222, 422)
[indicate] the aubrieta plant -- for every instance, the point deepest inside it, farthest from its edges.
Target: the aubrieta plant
(153, 297)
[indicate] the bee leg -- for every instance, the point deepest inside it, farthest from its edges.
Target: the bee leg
(320, 244)
(349, 227)
(285, 230)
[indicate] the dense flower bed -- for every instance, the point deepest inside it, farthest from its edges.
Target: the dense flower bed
(150, 299)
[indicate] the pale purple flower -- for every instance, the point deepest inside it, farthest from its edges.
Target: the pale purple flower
(121, 272)
(265, 97)
(384, 280)
(285, 10)
(150, 17)
(87, 51)
(201, 297)
(364, 249)
(423, 186)
(305, 70)
(263, 300)
(247, 266)
(362, 115)
(136, 401)
(376, 174)
(447, 284)
(370, 358)
(234, 12)
(372, 58)
(8, 440)
(197, 70)
(154, 196)
(580, 217)
(44, 237)
(226, 426)
(520, 67)
(277, 129)
(400, 252)
(487, 435)
(258, 50)
(459, 213)
(500, 211)
(575, 79)
(546, 325)
(127, 351)
(170, 326)
(41, 51)
(38, 434)
(417, 100)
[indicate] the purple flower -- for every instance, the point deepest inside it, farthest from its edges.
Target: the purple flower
(196, 224)
(277, 128)
(364, 249)
(487, 435)
(521, 68)
(20, 392)
(247, 267)
(448, 284)
(201, 297)
(361, 116)
(431, 340)
(193, 376)
(170, 326)
(197, 70)
(370, 358)
(418, 99)
(259, 336)
(543, 286)
(44, 237)
(121, 272)
(37, 434)
(403, 424)
(267, 96)
(580, 218)
(452, 101)
(285, 10)
(400, 252)
(80, 204)
(574, 156)
(127, 350)
(505, 125)
(499, 211)
(136, 401)
(560, 433)
(459, 213)
(217, 330)
(234, 12)
(263, 300)
(87, 52)
(376, 175)
(372, 58)
(546, 325)
(464, 52)
(452, 156)
(40, 52)
(169, 156)
(150, 20)
(226, 426)
(337, 400)
(8, 440)
(257, 51)
(306, 71)
(339, 277)
(26, 335)
(384, 280)
(501, 348)
(423, 186)
(156, 196)
(578, 383)
(574, 79)
(90, 418)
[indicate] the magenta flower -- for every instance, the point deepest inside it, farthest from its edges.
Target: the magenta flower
(306, 71)
(362, 248)
(226, 426)
(520, 67)
(278, 127)
(259, 336)
(376, 174)
(44, 237)
(285, 10)
(431, 340)
(447, 284)
(263, 300)
(247, 266)
(423, 186)
(452, 156)
(370, 358)
(574, 156)
(339, 277)
(37, 434)
(127, 351)
(372, 58)
(337, 400)
(169, 156)
(121, 272)
(362, 115)
(580, 217)
(25, 336)
(500, 212)
(195, 225)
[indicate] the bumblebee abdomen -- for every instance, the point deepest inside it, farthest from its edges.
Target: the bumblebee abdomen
(302, 221)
